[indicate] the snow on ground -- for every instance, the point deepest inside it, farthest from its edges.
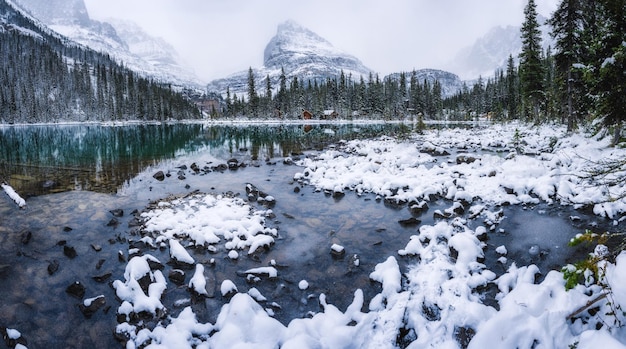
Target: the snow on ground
(438, 302)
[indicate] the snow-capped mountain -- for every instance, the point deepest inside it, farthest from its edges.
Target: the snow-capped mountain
(300, 52)
(124, 41)
(491, 52)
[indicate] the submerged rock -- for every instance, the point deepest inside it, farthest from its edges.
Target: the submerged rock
(26, 236)
(409, 222)
(53, 267)
(102, 278)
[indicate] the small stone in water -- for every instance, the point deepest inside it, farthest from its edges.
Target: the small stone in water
(159, 176)
(117, 212)
(26, 236)
(534, 250)
(99, 264)
(53, 267)
(102, 278)
(69, 251)
(67, 229)
(90, 306)
(337, 250)
(76, 289)
(177, 276)
(96, 247)
(409, 221)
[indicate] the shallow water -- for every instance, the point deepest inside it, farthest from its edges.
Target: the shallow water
(75, 212)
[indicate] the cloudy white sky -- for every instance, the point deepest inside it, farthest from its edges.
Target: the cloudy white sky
(220, 37)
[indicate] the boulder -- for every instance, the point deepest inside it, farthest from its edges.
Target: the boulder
(159, 176)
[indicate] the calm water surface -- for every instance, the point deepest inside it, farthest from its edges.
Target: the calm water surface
(73, 176)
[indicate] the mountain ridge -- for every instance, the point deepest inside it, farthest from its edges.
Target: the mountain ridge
(70, 18)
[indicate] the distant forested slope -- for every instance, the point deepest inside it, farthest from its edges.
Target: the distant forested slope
(47, 78)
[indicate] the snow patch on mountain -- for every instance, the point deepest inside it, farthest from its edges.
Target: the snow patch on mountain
(126, 42)
(302, 54)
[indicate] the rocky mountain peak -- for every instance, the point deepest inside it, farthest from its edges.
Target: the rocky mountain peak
(292, 38)
(300, 53)
(58, 11)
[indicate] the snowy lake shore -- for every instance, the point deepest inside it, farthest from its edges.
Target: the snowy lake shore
(437, 301)
(439, 289)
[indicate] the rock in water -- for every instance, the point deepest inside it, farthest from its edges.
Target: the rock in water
(69, 251)
(102, 278)
(90, 306)
(409, 221)
(53, 267)
(76, 289)
(26, 236)
(159, 176)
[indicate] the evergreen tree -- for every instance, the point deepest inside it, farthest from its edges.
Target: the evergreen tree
(567, 24)
(281, 97)
(607, 71)
(253, 97)
(512, 89)
(531, 66)
(229, 103)
(267, 104)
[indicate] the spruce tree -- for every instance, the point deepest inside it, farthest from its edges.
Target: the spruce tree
(512, 88)
(531, 67)
(253, 97)
(567, 24)
(607, 73)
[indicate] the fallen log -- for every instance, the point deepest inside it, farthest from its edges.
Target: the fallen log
(13, 195)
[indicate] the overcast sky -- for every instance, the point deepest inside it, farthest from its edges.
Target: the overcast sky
(220, 37)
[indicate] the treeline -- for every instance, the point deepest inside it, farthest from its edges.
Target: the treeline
(582, 78)
(395, 96)
(47, 79)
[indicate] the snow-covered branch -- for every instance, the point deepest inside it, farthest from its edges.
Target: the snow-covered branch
(14, 195)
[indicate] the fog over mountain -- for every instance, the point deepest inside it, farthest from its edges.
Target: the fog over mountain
(123, 40)
(491, 51)
(302, 54)
(295, 49)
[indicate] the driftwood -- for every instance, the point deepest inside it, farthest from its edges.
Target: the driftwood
(12, 193)
(587, 305)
